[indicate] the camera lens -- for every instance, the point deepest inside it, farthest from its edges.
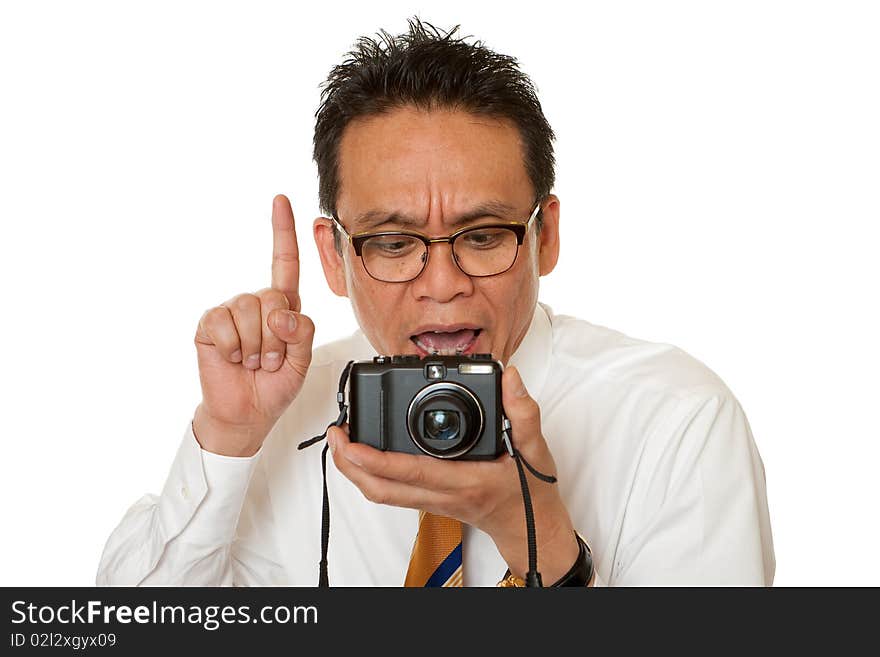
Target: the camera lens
(441, 424)
(445, 419)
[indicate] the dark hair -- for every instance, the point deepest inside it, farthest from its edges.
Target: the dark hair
(428, 69)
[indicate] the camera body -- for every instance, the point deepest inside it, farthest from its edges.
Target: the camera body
(445, 406)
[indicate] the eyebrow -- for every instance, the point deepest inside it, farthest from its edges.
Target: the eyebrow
(377, 217)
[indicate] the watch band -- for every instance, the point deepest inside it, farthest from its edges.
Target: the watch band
(580, 574)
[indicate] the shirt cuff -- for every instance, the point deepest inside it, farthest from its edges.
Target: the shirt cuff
(204, 493)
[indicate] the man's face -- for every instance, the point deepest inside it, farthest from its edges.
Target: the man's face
(432, 168)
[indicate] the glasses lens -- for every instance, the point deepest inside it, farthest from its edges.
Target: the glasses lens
(479, 252)
(485, 251)
(393, 258)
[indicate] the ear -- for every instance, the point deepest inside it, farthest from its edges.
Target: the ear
(548, 238)
(331, 260)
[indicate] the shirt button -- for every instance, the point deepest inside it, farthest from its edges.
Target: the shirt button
(184, 492)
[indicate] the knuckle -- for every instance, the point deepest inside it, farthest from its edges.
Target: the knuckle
(375, 494)
(537, 412)
(416, 476)
(215, 316)
(284, 258)
(341, 463)
(245, 303)
(531, 408)
(272, 298)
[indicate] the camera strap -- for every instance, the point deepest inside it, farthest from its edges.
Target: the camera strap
(533, 577)
(323, 577)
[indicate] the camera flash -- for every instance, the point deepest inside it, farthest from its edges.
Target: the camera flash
(474, 368)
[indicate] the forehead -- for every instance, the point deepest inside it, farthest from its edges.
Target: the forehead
(411, 159)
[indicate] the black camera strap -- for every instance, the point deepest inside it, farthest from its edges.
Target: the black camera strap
(533, 577)
(323, 577)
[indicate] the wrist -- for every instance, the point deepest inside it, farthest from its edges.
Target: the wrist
(225, 439)
(557, 549)
(582, 572)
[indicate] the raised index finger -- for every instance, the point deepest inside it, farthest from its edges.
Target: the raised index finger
(285, 251)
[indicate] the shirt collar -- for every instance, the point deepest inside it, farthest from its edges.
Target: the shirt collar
(532, 356)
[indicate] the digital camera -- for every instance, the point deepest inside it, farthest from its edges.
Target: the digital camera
(448, 407)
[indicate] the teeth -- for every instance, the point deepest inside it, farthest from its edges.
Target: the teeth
(456, 350)
(439, 352)
(446, 352)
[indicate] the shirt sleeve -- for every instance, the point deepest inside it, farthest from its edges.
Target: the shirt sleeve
(698, 511)
(186, 535)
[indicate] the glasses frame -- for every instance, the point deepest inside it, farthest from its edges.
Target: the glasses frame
(519, 228)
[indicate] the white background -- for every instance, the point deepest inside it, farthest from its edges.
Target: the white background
(719, 172)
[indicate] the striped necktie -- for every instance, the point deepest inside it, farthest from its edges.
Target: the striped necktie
(436, 555)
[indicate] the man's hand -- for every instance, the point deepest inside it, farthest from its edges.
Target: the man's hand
(483, 494)
(253, 352)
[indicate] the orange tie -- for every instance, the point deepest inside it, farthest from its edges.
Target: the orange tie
(436, 555)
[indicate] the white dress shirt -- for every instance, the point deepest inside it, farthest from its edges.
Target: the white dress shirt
(656, 464)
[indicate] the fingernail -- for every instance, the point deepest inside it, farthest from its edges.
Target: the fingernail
(273, 360)
(253, 361)
(236, 356)
(331, 440)
(291, 322)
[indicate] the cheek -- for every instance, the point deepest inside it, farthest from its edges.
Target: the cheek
(373, 302)
(360, 285)
(510, 299)
(522, 286)
(513, 301)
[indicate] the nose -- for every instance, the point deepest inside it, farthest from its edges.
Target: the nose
(441, 280)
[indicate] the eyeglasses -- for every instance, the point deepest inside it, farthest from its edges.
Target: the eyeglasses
(401, 256)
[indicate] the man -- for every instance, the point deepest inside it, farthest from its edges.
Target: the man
(657, 469)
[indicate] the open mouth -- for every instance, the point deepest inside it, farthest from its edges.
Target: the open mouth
(446, 343)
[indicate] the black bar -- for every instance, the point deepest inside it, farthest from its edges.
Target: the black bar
(391, 619)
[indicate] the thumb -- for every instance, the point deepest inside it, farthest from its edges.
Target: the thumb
(522, 411)
(291, 327)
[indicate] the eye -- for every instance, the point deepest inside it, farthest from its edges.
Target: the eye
(391, 245)
(484, 238)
